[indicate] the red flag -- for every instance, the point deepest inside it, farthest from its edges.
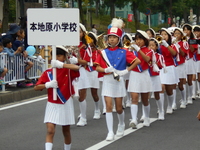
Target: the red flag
(130, 17)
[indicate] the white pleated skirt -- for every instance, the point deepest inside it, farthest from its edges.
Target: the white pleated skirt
(198, 66)
(112, 87)
(139, 82)
(156, 83)
(170, 77)
(101, 79)
(60, 114)
(181, 71)
(88, 79)
(190, 67)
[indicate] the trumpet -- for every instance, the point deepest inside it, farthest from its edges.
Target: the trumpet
(184, 38)
(159, 39)
(127, 44)
(101, 42)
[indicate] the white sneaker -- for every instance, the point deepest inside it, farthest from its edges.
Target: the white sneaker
(174, 107)
(120, 130)
(82, 122)
(142, 119)
(197, 96)
(146, 122)
(133, 124)
(110, 137)
(97, 114)
(161, 115)
(193, 97)
(169, 111)
(128, 103)
(183, 105)
(189, 101)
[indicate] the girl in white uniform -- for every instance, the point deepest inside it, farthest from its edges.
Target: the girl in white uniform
(88, 75)
(182, 47)
(139, 80)
(169, 78)
(190, 66)
(157, 63)
(114, 59)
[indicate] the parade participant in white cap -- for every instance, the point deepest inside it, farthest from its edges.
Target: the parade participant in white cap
(61, 110)
(169, 78)
(182, 48)
(190, 65)
(196, 30)
(112, 61)
(139, 80)
(88, 74)
(154, 69)
(127, 40)
(151, 33)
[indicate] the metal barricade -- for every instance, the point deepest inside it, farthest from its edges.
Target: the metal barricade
(16, 68)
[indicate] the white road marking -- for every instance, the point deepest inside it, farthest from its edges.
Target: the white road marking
(126, 132)
(23, 103)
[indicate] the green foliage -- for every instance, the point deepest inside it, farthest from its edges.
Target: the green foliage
(12, 10)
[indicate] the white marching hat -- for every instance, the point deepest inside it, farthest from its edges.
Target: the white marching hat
(129, 36)
(155, 40)
(62, 47)
(166, 30)
(144, 34)
(153, 31)
(179, 29)
(82, 27)
(95, 36)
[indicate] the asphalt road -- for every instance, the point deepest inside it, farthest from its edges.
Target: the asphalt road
(22, 128)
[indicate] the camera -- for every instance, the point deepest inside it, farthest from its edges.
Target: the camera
(194, 41)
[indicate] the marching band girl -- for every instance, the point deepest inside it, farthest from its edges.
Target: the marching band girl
(169, 78)
(111, 61)
(127, 40)
(88, 75)
(60, 111)
(190, 66)
(139, 78)
(196, 31)
(182, 46)
(157, 63)
(151, 33)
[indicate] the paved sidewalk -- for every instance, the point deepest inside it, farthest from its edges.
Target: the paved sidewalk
(13, 94)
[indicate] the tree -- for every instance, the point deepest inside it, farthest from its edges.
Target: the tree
(5, 16)
(81, 12)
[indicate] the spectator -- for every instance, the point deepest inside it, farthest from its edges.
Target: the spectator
(19, 42)
(3, 71)
(94, 30)
(8, 48)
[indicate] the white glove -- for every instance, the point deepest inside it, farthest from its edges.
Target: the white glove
(57, 64)
(109, 69)
(137, 48)
(51, 84)
(164, 43)
(121, 72)
(177, 45)
(73, 60)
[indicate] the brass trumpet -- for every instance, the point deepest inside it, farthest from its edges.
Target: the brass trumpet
(184, 38)
(159, 38)
(101, 42)
(127, 44)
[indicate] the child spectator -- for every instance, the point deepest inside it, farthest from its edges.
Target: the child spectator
(60, 111)
(19, 42)
(8, 48)
(3, 71)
